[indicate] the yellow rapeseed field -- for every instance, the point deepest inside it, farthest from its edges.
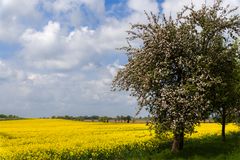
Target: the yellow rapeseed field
(39, 135)
(61, 139)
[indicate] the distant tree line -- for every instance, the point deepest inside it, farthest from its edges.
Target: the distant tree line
(106, 119)
(214, 118)
(9, 117)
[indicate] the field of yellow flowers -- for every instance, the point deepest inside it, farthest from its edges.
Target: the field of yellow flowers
(65, 139)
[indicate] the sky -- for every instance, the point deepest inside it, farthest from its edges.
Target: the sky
(58, 57)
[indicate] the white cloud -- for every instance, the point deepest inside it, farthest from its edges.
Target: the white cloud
(12, 13)
(50, 48)
(45, 41)
(44, 49)
(11, 8)
(146, 5)
(7, 73)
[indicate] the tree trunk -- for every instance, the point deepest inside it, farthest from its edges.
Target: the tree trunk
(181, 140)
(178, 142)
(223, 125)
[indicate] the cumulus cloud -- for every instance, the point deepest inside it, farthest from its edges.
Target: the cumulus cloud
(9, 74)
(13, 14)
(18, 8)
(44, 49)
(147, 5)
(50, 48)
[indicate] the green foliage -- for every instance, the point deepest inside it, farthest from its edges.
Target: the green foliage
(8, 117)
(103, 119)
(225, 96)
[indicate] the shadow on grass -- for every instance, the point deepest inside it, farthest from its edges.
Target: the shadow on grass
(209, 147)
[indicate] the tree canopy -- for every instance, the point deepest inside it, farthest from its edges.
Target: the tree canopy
(172, 73)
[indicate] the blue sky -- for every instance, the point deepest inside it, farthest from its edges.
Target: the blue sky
(59, 57)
